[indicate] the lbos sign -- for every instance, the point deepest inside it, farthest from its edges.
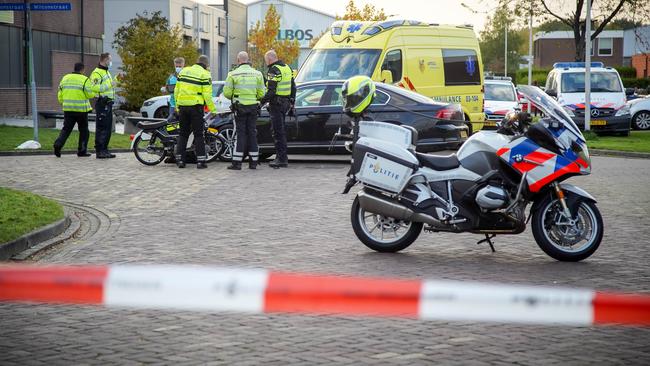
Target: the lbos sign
(297, 34)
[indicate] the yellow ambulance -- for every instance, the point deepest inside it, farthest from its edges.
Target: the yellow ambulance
(439, 61)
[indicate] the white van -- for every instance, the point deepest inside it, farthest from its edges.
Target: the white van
(609, 113)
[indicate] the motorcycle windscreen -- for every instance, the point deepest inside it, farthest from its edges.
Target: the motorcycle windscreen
(541, 165)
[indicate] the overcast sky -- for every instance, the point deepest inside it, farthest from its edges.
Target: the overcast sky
(430, 11)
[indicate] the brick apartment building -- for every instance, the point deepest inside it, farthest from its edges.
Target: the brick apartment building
(556, 46)
(58, 38)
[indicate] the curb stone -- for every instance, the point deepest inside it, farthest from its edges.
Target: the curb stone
(50, 152)
(7, 250)
(617, 153)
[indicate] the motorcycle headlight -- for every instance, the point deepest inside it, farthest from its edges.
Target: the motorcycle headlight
(569, 111)
(625, 110)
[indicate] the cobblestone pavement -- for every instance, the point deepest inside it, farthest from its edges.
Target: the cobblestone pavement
(295, 219)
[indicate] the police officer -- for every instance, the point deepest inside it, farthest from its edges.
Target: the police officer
(193, 90)
(280, 94)
(74, 92)
(244, 87)
(179, 64)
(104, 86)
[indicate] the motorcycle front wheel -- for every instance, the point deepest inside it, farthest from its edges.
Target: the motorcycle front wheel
(382, 233)
(149, 152)
(563, 240)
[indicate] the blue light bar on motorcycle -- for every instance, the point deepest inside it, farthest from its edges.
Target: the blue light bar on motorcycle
(567, 65)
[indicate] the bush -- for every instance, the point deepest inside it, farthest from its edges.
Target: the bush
(539, 76)
(636, 83)
(626, 72)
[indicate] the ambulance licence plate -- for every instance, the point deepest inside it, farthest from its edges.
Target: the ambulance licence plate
(598, 122)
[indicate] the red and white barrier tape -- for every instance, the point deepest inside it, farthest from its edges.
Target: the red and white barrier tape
(259, 291)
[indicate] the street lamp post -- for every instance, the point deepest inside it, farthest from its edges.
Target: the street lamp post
(530, 50)
(588, 68)
(505, 55)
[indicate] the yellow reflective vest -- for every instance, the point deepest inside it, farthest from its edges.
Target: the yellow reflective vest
(283, 79)
(102, 83)
(74, 92)
(194, 87)
(244, 84)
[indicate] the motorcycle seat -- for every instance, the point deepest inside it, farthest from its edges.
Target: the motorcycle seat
(151, 125)
(438, 162)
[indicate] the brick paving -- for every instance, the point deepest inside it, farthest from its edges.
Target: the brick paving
(295, 219)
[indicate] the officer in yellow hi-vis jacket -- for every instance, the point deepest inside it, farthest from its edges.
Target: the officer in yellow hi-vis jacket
(193, 91)
(74, 92)
(281, 93)
(244, 86)
(104, 86)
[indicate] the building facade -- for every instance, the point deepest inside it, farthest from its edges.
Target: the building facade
(236, 33)
(60, 39)
(296, 22)
(557, 46)
(202, 24)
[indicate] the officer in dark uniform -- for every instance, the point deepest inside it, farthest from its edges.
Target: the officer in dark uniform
(280, 94)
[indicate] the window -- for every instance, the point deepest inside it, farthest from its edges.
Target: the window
(461, 67)
(605, 46)
(550, 81)
(11, 72)
(500, 92)
(601, 82)
(393, 63)
(310, 97)
(223, 27)
(188, 17)
(336, 64)
(204, 23)
(205, 47)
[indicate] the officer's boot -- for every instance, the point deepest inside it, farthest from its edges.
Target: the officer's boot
(279, 163)
(235, 165)
(179, 161)
(252, 164)
(201, 165)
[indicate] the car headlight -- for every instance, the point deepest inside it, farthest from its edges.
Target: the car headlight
(623, 111)
(569, 111)
(148, 103)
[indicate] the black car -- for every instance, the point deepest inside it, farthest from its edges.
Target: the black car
(319, 115)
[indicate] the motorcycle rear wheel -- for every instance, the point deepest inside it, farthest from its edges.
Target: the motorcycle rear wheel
(149, 152)
(393, 235)
(565, 242)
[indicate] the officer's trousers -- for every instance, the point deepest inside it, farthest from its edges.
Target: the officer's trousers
(277, 111)
(245, 126)
(191, 121)
(69, 120)
(103, 123)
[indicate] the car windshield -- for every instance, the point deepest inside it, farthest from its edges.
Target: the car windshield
(338, 64)
(500, 92)
(549, 107)
(601, 82)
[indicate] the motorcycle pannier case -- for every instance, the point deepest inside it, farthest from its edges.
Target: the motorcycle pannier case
(382, 158)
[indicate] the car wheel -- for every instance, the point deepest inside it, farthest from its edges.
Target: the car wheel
(230, 138)
(641, 120)
(162, 112)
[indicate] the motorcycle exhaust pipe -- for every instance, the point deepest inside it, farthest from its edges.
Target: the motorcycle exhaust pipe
(395, 210)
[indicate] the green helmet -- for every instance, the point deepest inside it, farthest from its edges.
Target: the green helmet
(357, 93)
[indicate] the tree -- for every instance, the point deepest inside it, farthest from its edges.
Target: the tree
(264, 36)
(367, 13)
(492, 41)
(604, 13)
(147, 46)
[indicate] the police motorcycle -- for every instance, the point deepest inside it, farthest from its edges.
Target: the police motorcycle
(157, 140)
(484, 188)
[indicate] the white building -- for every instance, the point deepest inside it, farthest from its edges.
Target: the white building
(296, 22)
(635, 41)
(203, 24)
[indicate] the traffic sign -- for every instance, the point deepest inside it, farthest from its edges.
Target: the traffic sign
(36, 7)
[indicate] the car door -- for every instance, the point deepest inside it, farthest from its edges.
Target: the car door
(317, 111)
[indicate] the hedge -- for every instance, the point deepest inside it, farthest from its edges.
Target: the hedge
(636, 83)
(628, 76)
(539, 75)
